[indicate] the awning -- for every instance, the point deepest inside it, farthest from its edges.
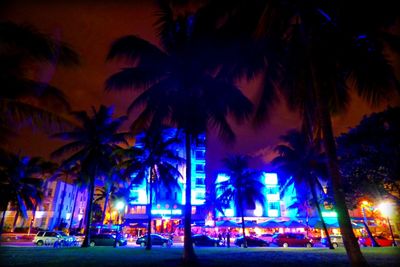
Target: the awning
(226, 224)
(135, 223)
(269, 224)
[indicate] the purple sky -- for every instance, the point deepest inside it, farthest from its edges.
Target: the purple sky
(90, 28)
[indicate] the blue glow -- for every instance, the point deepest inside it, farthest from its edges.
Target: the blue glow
(271, 178)
(258, 212)
(329, 214)
(222, 178)
(273, 197)
(273, 213)
(166, 212)
(229, 212)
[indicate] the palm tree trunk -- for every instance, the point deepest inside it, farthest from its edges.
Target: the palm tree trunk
(103, 214)
(61, 205)
(243, 230)
(316, 203)
(33, 218)
(152, 179)
(189, 257)
(351, 245)
(373, 241)
(73, 211)
(350, 241)
(89, 207)
(15, 220)
(3, 217)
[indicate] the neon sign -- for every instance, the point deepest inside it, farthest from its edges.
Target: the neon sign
(166, 212)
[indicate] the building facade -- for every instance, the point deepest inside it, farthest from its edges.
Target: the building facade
(168, 203)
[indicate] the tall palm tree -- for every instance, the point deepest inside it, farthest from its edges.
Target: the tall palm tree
(23, 100)
(244, 187)
(313, 52)
(304, 163)
(180, 89)
(91, 144)
(155, 161)
(20, 184)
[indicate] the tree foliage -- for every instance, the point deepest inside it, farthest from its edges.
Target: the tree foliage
(370, 157)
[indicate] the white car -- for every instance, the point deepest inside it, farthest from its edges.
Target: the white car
(48, 238)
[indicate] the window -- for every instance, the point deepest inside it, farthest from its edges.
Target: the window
(199, 167)
(200, 154)
(200, 181)
(272, 189)
(200, 142)
(138, 210)
(200, 195)
(273, 205)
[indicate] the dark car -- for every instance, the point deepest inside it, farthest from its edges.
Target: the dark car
(292, 240)
(381, 240)
(336, 240)
(107, 240)
(252, 241)
(156, 240)
(205, 241)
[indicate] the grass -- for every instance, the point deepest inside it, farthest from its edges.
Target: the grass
(166, 257)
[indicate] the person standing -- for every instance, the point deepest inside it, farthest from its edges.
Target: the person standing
(228, 239)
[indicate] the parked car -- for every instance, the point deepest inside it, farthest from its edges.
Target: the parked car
(69, 240)
(266, 237)
(205, 241)
(381, 240)
(292, 240)
(252, 241)
(107, 240)
(336, 240)
(48, 238)
(156, 240)
(79, 237)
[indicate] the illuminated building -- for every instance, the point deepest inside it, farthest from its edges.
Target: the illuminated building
(168, 203)
(271, 208)
(58, 202)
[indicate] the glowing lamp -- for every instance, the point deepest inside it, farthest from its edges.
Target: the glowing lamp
(386, 209)
(120, 205)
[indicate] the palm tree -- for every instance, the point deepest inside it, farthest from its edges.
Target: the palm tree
(180, 89)
(303, 162)
(108, 194)
(155, 160)
(19, 184)
(313, 52)
(91, 145)
(243, 187)
(23, 100)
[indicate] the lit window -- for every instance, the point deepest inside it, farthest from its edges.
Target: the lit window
(271, 178)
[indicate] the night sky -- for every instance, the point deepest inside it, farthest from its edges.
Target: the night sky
(89, 28)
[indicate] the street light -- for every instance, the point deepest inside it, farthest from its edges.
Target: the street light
(119, 206)
(386, 209)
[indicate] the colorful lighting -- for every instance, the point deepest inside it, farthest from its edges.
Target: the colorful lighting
(329, 214)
